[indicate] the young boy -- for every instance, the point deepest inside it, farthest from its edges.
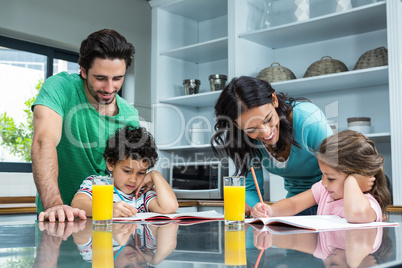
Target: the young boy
(129, 154)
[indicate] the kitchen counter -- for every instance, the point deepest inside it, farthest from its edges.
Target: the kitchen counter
(170, 244)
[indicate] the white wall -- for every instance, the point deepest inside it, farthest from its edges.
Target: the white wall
(65, 24)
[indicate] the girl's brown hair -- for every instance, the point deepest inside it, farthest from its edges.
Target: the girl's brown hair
(353, 153)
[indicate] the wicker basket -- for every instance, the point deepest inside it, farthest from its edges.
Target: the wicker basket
(276, 73)
(326, 65)
(372, 58)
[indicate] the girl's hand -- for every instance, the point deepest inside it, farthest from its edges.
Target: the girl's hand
(261, 210)
(365, 182)
(262, 239)
(123, 209)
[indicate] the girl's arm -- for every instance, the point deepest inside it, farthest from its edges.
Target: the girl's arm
(165, 201)
(84, 202)
(289, 206)
(356, 206)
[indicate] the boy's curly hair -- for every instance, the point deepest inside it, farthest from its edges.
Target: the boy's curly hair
(131, 142)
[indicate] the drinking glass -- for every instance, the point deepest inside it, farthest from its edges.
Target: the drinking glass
(102, 200)
(235, 247)
(102, 247)
(234, 194)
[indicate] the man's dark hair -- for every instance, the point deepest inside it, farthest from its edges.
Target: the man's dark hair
(131, 142)
(105, 44)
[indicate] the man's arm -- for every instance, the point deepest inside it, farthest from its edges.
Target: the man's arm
(47, 135)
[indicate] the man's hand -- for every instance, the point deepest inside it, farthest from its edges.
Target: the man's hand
(61, 213)
(123, 209)
(365, 182)
(61, 229)
(146, 185)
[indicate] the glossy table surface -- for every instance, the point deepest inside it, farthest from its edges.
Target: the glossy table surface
(206, 244)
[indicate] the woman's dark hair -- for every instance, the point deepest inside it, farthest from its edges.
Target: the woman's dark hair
(131, 142)
(353, 153)
(240, 95)
(105, 44)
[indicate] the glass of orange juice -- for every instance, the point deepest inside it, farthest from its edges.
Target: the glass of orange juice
(102, 200)
(102, 247)
(234, 196)
(235, 247)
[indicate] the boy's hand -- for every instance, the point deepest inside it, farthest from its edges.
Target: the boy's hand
(146, 185)
(123, 209)
(365, 182)
(261, 210)
(122, 232)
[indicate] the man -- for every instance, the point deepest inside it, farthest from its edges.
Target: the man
(73, 117)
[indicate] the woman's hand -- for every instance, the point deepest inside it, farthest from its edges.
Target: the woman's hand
(123, 209)
(365, 182)
(261, 210)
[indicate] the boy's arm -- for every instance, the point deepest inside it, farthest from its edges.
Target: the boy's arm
(356, 206)
(165, 201)
(166, 241)
(83, 202)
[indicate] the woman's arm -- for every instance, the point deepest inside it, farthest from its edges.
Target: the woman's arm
(356, 206)
(165, 201)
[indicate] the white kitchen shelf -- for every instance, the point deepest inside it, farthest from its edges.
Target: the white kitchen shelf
(379, 137)
(185, 147)
(316, 84)
(354, 21)
(201, 52)
(333, 82)
(193, 9)
(195, 100)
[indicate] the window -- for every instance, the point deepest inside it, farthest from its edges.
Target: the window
(22, 66)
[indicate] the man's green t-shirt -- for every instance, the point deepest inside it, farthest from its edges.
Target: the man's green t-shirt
(84, 132)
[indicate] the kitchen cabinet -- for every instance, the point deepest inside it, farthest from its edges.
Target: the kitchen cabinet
(193, 39)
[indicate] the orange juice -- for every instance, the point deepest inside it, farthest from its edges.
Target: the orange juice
(234, 203)
(102, 249)
(235, 248)
(102, 202)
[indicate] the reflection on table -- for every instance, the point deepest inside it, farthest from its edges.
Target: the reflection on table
(206, 244)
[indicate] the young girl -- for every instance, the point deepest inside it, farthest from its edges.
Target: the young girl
(343, 159)
(129, 154)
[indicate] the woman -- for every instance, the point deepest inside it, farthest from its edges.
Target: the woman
(257, 127)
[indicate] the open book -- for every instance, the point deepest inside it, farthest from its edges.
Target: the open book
(151, 216)
(317, 222)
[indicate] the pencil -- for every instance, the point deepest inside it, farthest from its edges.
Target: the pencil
(256, 185)
(258, 259)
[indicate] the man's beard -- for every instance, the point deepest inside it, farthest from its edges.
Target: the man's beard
(95, 95)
